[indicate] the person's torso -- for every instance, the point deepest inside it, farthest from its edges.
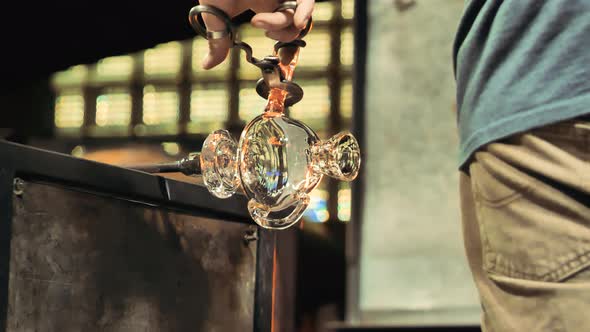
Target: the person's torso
(520, 64)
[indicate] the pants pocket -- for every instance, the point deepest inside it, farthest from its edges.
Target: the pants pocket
(529, 228)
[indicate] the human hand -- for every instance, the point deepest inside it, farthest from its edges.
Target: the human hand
(283, 26)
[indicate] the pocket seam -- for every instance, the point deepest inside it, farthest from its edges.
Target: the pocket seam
(495, 262)
(502, 201)
(559, 274)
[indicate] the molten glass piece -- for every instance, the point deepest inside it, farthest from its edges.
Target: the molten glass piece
(279, 161)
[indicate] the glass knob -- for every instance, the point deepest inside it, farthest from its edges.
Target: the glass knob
(339, 157)
(219, 165)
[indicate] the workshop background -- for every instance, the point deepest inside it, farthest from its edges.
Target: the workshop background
(123, 85)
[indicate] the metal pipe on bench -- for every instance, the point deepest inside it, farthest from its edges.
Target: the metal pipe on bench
(190, 165)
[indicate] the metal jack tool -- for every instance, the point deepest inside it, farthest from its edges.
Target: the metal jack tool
(270, 66)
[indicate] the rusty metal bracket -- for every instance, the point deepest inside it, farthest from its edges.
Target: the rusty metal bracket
(18, 186)
(251, 235)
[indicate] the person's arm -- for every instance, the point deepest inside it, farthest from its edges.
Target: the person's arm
(282, 26)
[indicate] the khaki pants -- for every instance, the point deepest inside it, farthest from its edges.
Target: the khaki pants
(526, 224)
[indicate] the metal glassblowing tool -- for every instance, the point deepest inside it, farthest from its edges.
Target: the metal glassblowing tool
(278, 161)
(275, 73)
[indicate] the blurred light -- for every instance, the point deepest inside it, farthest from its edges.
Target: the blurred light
(75, 75)
(69, 110)
(347, 47)
(159, 107)
(346, 99)
(209, 107)
(344, 202)
(348, 9)
(314, 108)
(323, 11)
(317, 51)
(115, 67)
(164, 59)
(78, 151)
(171, 148)
(318, 206)
(113, 109)
(251, 104)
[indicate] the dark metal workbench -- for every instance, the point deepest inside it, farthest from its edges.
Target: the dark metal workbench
(93, 247)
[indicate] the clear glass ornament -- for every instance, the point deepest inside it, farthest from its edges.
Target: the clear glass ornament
(279, 162)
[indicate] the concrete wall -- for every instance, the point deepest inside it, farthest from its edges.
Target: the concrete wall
(412, 266)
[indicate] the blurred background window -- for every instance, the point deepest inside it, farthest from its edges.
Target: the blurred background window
(162, 95)
(69, 112)
(113, 109)
(117, 68)
(163, 60)
(251, 105)
(314, 108)
(209, 107)
(159, 107)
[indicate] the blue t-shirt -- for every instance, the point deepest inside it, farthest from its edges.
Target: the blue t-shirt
(520, 64)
